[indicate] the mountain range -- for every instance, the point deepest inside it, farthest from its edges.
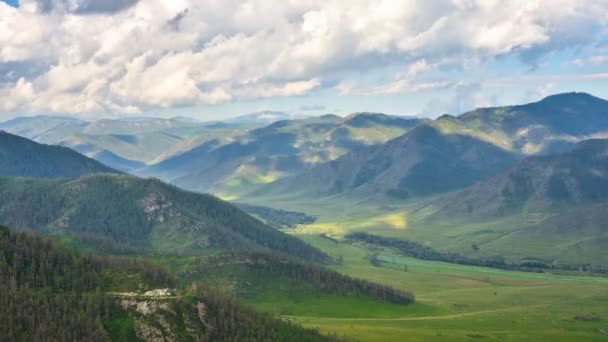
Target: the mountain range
(524, 170)
(233, 164)
(87, 200)
(455, 152)
(419, 163)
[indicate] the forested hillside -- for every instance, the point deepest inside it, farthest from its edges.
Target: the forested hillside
(538, 184)
(142, 213)
(253, 274)
(25, 158)
(50, 293)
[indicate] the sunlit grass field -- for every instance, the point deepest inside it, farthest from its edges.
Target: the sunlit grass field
(461, 303)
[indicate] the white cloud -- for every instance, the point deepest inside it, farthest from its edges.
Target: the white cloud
(126, 56)
(594, 60)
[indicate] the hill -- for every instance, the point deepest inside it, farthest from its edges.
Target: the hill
(419, 163)
(24, 158)
(260, 278)
(50, 293)
(141, 213)
(550, 125)
(239, 163)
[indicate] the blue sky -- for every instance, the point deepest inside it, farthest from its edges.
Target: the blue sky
(211, 60)
(13, 3)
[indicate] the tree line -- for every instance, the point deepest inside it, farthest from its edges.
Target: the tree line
(323, 279)
(419, 251)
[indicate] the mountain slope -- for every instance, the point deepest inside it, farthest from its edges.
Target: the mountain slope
(25, 158)
(575, 178)
(551, 125)
(421, 162)
(235, 164)
(140, 213)
(550, 208)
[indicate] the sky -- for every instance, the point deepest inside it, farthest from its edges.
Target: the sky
(212, 59)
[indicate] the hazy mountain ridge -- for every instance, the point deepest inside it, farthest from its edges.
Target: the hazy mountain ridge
(125, 144)
(283, 148)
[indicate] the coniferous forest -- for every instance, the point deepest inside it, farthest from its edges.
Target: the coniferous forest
(50, 293)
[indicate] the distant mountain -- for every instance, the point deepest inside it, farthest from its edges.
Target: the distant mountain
(539, 184)
(22, 157)
(124, 144)
(138, 148)
(239, 163)
(551, 125)
(140, 213)
(134, 125)
(421, 162)
(43, 129)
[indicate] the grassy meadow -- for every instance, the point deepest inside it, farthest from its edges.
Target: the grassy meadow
(465, 303)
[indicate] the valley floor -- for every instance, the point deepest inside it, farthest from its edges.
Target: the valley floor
(454, 302)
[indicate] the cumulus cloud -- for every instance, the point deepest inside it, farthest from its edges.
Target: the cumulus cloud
(125, 56)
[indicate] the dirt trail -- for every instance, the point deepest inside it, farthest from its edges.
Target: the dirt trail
(425, 318)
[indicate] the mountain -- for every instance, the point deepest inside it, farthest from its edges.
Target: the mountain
(422, 162)
(24, 158)
(539, 184)
(132, 126)
(242, 162)
(142, 213)
(43, 129)
(142, 147)
(124, 144)
(130, 143)
(551, 125)
(549, 208)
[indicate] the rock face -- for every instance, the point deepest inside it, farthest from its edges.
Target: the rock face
(160, 319)
(160, 293)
